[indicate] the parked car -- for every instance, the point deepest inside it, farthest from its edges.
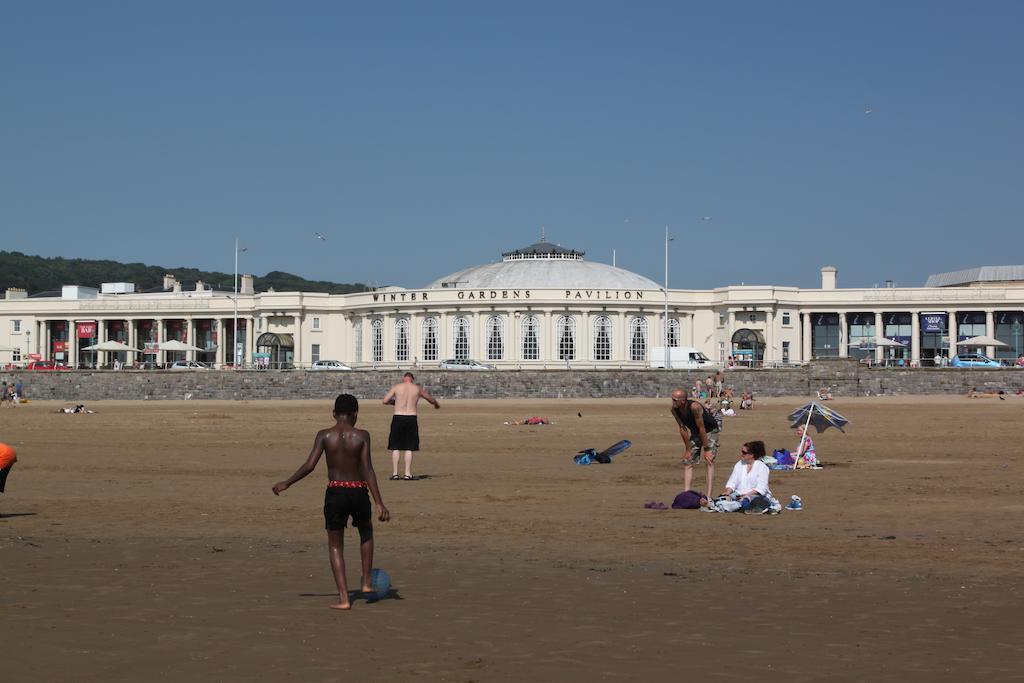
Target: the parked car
(464, 364)
(45, 365)
(973, 360)
(189, 365)
(329, 365)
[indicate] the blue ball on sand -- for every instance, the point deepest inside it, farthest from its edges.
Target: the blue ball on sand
(381, 582)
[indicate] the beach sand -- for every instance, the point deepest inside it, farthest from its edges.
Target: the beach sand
(143, 542)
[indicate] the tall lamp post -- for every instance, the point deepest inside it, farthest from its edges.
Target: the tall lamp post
(664, 326)
(234, 334)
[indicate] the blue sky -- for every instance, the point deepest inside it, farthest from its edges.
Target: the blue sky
(424, 137)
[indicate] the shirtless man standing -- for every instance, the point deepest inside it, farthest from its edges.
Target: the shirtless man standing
(349, 475)
(405, 430)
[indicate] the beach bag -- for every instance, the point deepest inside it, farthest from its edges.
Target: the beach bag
(783, 457)
(687, 500)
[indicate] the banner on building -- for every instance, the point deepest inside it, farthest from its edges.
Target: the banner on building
(933, 322)
(86, 330)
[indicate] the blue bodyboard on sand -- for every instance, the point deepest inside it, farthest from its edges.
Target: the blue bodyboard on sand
(590, 456)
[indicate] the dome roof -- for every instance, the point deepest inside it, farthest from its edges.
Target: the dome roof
(544, 266)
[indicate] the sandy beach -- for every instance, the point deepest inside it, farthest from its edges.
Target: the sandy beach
(143, 541)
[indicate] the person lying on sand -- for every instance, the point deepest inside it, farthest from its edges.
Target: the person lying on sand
(530, 421)
(79, 408)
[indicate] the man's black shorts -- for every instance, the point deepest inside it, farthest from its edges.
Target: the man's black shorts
(342, 503)
(405, 433)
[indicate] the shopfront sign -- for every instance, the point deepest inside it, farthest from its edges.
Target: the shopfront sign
(86, 330)
(933, 322)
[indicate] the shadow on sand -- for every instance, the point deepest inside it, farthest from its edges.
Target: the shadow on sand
(5, 515)
(355, 596)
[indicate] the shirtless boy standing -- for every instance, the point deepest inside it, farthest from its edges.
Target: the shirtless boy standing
(405, 430)
(350, 474)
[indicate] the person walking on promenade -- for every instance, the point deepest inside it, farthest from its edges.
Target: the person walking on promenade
(350, 483)
(700, 434)
(405, 430)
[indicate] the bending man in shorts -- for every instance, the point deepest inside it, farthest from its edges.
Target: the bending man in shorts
(405, 429)
(350, 477)
(700, 433)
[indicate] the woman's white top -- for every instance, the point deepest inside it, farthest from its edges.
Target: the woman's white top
(756, 479)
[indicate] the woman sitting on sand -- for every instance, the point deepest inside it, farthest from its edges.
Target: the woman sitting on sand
(747, 401)
(748, 483)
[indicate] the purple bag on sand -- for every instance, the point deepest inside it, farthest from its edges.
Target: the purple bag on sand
(687, 500)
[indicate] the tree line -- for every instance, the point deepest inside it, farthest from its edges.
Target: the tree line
(37, 274)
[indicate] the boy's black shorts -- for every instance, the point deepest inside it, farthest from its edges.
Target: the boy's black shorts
(342, 503)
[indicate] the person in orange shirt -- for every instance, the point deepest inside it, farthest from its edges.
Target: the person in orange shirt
(7, 459)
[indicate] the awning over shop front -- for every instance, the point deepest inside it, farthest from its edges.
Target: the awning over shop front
(284, 341)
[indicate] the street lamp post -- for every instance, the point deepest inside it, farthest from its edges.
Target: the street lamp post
(234, 333)
(664, 326)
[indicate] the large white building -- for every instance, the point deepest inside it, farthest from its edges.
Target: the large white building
(540, 306)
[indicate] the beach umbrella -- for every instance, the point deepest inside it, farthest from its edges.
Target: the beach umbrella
(822, 417)
(983, 340)
(110, 345)
(175, 345)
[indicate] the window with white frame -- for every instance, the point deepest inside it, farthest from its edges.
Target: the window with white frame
(495, 338)
(721, 319)
(357, 339)
(785, 318)
(638, 339)
(377, 340)
(602, 338)
(429, 351)
(673, 334)
(16, 355)
(314, 353)
(566, 331)
(15, 326)
(460, 333)
(316, 323)
(402, 340)
(531, 337)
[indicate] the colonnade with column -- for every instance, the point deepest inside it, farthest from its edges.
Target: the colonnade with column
(912, 350)
(512, 333)
(43, 337)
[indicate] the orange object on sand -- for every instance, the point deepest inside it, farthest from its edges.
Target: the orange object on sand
(7, 456)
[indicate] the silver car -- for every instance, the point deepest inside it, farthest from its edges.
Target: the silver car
(329, 365)
(464, 364)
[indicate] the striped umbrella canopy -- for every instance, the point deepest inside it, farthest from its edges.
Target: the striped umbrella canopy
(822, 417)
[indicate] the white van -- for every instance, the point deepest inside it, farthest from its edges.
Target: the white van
(679, 357)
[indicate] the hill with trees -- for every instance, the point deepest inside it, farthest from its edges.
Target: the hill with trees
(39, 274)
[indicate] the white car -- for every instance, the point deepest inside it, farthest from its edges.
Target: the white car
(329, 365)
(189, 365)
(463, 364)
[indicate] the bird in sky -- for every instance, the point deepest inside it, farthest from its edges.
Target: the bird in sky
(320, 236)
(868, 110)
(707, 218)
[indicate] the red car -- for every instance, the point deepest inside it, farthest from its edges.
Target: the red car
(45, 365)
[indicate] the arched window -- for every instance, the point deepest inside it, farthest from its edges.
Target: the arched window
(460, 332)
(602, 338)
(402, 339)
(566, 330)
(531, 337)
(638, 339)
(429, 339)
(673, 332)
(357, 339)
(377, 340)
(495, 338)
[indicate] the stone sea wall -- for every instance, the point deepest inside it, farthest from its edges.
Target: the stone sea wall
(846, 378)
